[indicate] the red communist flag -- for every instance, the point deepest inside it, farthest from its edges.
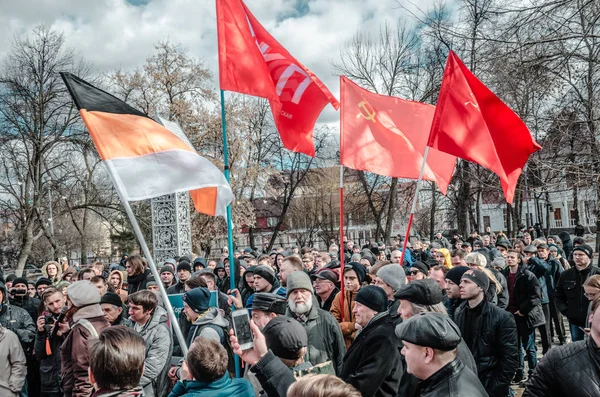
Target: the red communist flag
(252, 62)
(471, 122)
(388, 136)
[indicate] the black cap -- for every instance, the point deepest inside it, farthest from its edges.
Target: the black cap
(266, 272)
(420, 266)
(285, 337)
(326, 274)
(184, 266)
(503, 243)
(43, 281)
(167, 269)
(586, 249)
(269, 302)
(20, 280)
(359, 269)
(421, 292)
(372, 297)
(112, 298)
(532, 249)
(434, 330)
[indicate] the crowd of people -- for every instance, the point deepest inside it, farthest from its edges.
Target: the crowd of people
(451, 317)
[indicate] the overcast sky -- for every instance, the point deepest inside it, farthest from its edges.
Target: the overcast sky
(120, 33)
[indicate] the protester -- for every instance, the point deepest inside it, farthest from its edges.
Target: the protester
(40, 286)
(430, 341)
(137, 274)
(490, 332)
(325, 290)
(354, 277)
(86, 320)
(20, 297)
(570, 295)
(265, 281)
(13, 364)
(266, 306)
(167, 276)
(117, 363)
(150, 321)
(453, 288)
(571, 369)
(418, 271)
(116, 280)
(325, 340)
(497, 292)
(372, 363)
(112, 307)
(206, 321)
(288, 265)
(53, 271)
(205, 373)
(47, 342)
(184, 272)
(391, 278)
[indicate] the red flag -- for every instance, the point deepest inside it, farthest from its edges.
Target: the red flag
(472, 123)
(388, 136)
(252, 62)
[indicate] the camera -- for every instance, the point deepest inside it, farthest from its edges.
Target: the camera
(18, 292)
(49, 319)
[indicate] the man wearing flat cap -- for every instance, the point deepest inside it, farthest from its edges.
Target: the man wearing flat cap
(430, 341)
(266, 306)
(373, 362)
(490, 333)
(570, 296)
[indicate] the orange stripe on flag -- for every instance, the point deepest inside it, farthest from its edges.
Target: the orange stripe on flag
(205, 200)
(125, 135)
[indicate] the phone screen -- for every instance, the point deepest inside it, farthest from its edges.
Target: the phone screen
(241, 323)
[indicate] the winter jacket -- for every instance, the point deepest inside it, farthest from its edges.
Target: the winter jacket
(502, 297)
(211, 325)
(494, 346)
(273, 375)
(325, 340)
(540, 269)
(443, 242)
(552, 276)
(74, 351)
(119, 290)
(49, 363)
(159, 341)
(347, 326)
(570, 299)
(18, 321)
(567, 244)
(224, 387)
(372, 364)
(453, 380)
(13, 365)
(177, 288)
(527, 294)
(138, 282)
(569, 370)
(56, 279)
(29, 304)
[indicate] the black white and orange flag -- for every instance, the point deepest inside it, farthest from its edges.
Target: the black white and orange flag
(145, 158)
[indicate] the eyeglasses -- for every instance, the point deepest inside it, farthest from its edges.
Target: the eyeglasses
(413, 272)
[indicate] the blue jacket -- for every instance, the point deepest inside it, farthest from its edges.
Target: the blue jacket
(224, 387)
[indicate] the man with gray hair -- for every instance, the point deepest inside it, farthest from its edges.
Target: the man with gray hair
(325, 339)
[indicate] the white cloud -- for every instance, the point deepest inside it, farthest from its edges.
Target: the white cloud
(114, 33)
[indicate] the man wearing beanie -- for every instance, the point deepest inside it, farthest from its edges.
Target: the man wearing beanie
(184, 272)
(167, 276)
(87, 322)
(453, 288)
(206, 321)
(430, 349)
(354, 276)
(490, 333)
(391, 278)
(325, 340)
(41, 284)
(570, 297)
(265, 281)
(373, 362)
(112, 306)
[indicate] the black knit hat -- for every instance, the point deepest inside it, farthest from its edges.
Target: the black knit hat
(456, 273)
(167, 269)
(184, 265)
(586, 249)
(265, 272)
(359, 269)
(478, 277)
(43, 281)
(372, 297)
(111, 298)
(20, 280)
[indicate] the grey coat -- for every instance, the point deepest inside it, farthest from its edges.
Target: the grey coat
(325, 339)
(158, 338)
(13, 365)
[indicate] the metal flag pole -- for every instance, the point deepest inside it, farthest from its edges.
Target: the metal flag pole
(138, 232)
(232, 285)
(414, 205)
(342, 245)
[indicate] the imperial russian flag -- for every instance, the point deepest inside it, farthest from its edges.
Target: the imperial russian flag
(145, 158)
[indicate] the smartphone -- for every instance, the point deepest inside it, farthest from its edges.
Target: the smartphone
(241, 327)
(214, 299)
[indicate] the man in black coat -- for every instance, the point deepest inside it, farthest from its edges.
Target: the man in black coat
(570, 296)
(490, 333)
(525, 305)
(430, 341)
(372, 363)
(572, 369)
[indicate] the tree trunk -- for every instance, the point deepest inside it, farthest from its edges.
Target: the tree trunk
(27, 243)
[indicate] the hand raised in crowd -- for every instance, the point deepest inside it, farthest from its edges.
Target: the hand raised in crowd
(235, 298)
(253, 355)
(41, 323)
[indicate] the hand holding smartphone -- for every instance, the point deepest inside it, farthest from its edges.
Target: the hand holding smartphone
(241, 327)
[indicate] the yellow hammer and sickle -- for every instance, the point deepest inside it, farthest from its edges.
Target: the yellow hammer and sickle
(370, 114)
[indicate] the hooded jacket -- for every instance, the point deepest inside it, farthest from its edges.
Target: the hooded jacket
(223, 387)
(17, 320)
(159, 341)
(74, 351)
(567, 244)
(119, 290)
(210, 325)
(347, 326)
(56, 279)
(13, 365)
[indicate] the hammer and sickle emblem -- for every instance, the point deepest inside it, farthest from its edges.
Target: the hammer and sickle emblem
(473, 102)
(370, 113)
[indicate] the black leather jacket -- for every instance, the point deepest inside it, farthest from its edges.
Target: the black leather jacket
(494, 346)
(527, 295)
(570, 298)
(568, 370)
(453, 380)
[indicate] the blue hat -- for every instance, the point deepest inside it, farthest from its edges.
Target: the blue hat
(197, 299)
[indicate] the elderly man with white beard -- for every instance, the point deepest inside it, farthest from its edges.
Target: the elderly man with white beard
(325, 340)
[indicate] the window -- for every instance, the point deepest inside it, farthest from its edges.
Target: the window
(272, 221)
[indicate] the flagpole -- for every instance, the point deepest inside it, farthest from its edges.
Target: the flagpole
(342, 245)
(232, 285)
(138, 232)
(414, 205)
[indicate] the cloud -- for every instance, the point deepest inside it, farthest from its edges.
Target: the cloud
(113, 34)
